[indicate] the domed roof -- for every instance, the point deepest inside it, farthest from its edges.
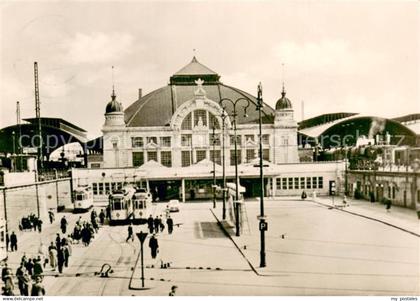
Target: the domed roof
(113, 105)
(158, 107)
(283, 103)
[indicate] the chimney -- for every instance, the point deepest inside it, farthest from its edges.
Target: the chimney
(140, 93)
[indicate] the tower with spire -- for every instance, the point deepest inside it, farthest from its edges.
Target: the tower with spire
(285, 129)
(114, 140)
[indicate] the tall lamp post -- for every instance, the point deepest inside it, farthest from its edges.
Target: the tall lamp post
(224, 116)
(263, 224)
(223, 101)
(214, 165)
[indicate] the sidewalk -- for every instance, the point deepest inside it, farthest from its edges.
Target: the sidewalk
(398, 217)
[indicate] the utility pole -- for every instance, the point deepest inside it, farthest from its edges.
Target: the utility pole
(38, 115)
(19, 145)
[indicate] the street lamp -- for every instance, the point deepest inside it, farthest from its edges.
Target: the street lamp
(214, 165)
(224, 115)
(263, 224)
(234, 115)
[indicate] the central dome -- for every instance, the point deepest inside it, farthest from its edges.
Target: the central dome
(158, 107)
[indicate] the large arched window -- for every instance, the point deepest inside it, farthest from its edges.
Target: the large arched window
(201, 118)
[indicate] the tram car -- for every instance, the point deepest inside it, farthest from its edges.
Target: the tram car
(121, 205)
(142, 203)
(3, 250)
(83, 198)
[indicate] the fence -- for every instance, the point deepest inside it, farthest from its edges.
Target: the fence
(21, 200)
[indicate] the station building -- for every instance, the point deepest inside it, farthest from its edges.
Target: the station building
(173, 134)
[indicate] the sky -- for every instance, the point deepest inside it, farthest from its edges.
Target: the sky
(334, 56)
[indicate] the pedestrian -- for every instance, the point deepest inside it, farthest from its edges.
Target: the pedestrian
(130, 233)
(57, 241)
(63, 225)
(303, 196)
(150, 223)
(51, 216)
(30, 266)
(39, 225)
(60, 260)
(154, 246)
(38, 288)
(388, 203)
(38, 270)
(170, 223)
(7, 241)
(7, 277)
(161, 224)
(102, 217)
(4, 272)
(23, 280)
(13, 241)
(66, 253)
(156, 223)
(108, 212)
(53, 257)
(173, 290)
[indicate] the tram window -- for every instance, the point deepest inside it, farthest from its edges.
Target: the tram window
(79, 197)
(117, 206)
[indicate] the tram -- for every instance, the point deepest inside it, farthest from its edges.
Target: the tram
(121, 204)
(83, 198)
(142, 204)
(3, 250)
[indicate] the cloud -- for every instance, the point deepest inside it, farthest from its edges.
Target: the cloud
(97, 47)
(328, 55)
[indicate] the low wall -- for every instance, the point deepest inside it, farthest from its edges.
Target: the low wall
(20, 201)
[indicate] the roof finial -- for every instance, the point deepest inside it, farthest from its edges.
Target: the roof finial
(113, 96)
(194, 60)
(283, 91)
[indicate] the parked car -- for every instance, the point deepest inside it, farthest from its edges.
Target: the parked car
(173, 206)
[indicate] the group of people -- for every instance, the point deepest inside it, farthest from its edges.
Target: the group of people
(11, 242)
(59, 253)
(85, 230)
(31, 222)
(29, 277)
(156, 224)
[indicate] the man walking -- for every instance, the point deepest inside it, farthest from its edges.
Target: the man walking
(150, 223)
(13, 241)
(51, 216)
(7, 241)
(154, 246)
(170, 223)
(23, 279)
(130, 233)
(63, 225)
(102, 216)
(60, 260)
(156, 223)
